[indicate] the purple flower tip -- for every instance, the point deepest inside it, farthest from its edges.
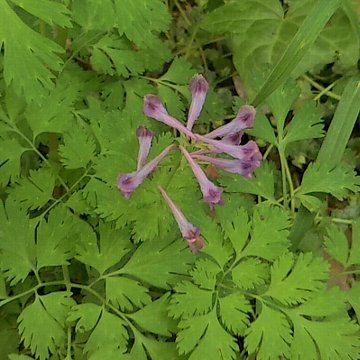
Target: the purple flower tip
(198, 85)
(145, 137)
(199, 88)
(211, 193)
(246, 116)
(142, 131)
(188, 231)
(128, 183)
(153, 107)
(244, 120)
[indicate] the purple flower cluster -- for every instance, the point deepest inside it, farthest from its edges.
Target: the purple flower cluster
(223, 140)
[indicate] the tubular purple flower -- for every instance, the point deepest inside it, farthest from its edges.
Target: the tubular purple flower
(199, 88)
(243, 152)
(154, 108)
(211, 193)
(188, 231)
(236, 166)
(128, 183)
(145, 137)
(244, 120)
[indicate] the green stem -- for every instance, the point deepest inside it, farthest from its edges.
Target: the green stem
(70, 190)
(267, 152)
(321, 88)
(192, 38)
(291, 186)
(182, 12)
(283, 174)
(33, 147)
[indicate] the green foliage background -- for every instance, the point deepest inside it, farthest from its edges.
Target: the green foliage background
(86, 274)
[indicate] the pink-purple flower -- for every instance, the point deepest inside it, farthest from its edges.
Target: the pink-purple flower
(188, 231)
(154, 108)
(145, 137)
(198, 88)
(211, 193)
(244, 120)
(245, 158)
(242, 167)
(128, 183)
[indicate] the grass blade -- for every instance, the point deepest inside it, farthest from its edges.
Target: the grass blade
(298, 47)
(338, 135)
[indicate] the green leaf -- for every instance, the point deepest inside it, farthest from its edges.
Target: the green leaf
(205, 337)
(112, 246)
(337, 244)
(234, 312)
(261, 184)
(298, 47)
(10, 160)
(327, 337)
(37, 54)
(154, 317)
(51, 12)
(17, 255)
(126, 293)
(337, 181)
(295, 281)
(55, 238)
(141, 19)
(269, 235)
(35, 191)
(306, 124)
(338, 134)
(108, 330)
(269, 336)
(237, 229)
(190, 300)
(42, 323)
(262, 129)
(78, 149)
(250, 273)
(165, 263)
(179, 72)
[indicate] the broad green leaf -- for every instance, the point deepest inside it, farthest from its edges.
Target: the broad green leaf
(262, 129)
(337, 244)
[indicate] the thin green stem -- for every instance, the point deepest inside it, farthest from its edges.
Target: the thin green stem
(291, 186)
(192, 38)
(350, 272)
(283, 174)
(267, 152)
(158, 81)
(182, 12)
(33, 147)
(321, 88)
(70, 190)
(342, 221)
